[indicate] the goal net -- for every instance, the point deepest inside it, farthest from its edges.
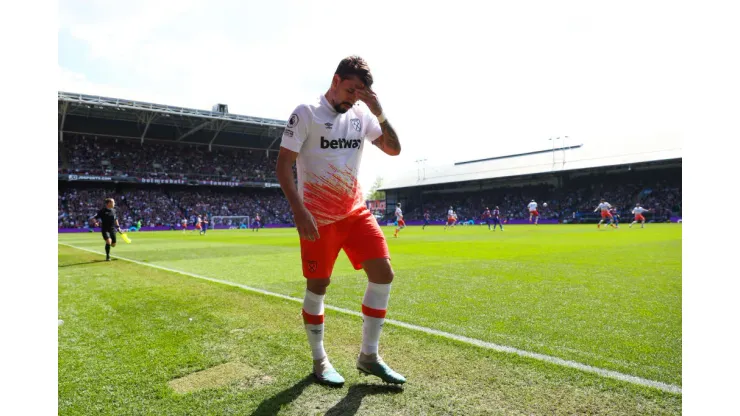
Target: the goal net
(231, 222)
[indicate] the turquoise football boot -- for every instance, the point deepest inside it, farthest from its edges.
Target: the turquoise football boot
(326, 374)
(372, 364)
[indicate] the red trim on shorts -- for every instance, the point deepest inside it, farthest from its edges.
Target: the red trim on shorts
(373, 313)
(312, 319)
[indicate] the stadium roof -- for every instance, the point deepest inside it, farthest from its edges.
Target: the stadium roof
(120, 118)
(566, 158)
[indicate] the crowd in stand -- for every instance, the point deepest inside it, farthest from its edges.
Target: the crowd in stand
(575, 202)
(162, 207)
(167, 206)
(119, 157)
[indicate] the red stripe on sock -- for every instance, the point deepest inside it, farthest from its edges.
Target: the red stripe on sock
(312, 319)
(374, 313)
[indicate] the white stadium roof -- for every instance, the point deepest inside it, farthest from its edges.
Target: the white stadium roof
(572, 156)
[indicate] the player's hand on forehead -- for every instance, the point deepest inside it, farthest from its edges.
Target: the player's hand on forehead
(365, 93)
(368, 96)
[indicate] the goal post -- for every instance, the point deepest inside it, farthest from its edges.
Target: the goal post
(231, 222)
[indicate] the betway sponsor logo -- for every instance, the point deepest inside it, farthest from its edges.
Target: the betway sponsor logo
(340, 143)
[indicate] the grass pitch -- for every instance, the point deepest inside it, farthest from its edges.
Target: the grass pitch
(610, 299)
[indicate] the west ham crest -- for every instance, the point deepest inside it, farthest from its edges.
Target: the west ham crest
(356, 124)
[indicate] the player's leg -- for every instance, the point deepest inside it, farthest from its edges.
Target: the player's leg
(318, 259)
(108, 241)
(112, 238)
(367, 249)
(374, 307)
(313, 321)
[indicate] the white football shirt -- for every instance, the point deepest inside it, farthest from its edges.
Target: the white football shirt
(450, 213)
(532, 206)
(638, 210)
(604, 206)
(329, 146)
(399, 214)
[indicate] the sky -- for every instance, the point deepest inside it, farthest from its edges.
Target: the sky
(458, 80)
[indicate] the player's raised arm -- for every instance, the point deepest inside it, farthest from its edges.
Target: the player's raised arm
(388, 141)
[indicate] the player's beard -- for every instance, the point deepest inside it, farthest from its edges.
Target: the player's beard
(341, 110)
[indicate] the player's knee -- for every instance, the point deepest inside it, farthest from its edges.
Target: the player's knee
(379, 271)
(318, 286)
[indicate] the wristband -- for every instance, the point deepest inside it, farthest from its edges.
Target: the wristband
(381, 118)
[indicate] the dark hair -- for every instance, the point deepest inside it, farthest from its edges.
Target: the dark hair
(108, 200)
(355, 66)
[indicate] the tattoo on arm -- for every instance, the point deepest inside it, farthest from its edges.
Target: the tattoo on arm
(388, 142)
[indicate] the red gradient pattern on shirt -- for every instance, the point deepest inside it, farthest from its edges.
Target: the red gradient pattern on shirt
(332, 197)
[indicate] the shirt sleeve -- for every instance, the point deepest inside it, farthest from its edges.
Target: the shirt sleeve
(373, 127)
(296, 132)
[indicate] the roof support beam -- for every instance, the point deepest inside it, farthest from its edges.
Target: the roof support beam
(219, 126)
(146, 118)
(272, 130)
(65, 107)
(195, 130)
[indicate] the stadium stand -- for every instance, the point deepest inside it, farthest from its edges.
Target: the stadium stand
(165, 206)
(122, 157)
(571, 196)
(164, 163)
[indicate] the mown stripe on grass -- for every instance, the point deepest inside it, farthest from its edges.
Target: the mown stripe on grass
(671, 388)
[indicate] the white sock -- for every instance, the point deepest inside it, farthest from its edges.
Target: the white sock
(313, 317)
(374, 306)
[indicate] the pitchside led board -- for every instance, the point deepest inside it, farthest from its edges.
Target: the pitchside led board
(375, 205)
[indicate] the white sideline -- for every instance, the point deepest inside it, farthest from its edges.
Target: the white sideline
(671, 388)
